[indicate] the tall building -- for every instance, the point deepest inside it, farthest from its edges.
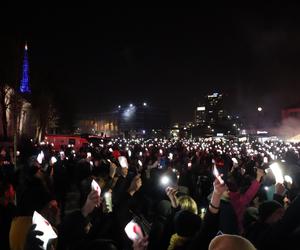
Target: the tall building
(212, 111)
(214, 108)
(24, 85)
(200, 115)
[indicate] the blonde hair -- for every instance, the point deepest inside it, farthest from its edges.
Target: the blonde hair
(230, 242)
(187, 203)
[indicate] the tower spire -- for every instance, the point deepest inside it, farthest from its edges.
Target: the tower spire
(24, 85)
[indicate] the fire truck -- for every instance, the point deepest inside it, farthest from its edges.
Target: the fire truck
(62, 141)
(76, 141)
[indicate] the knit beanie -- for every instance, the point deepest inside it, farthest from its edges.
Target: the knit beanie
(186, 223)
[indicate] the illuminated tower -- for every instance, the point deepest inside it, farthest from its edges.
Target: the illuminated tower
(24, 85)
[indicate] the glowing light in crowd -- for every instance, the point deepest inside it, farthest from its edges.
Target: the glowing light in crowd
(165, 180)
(45, 227)
(277, 172)
(217, 175)
(170, 156)
(144, 104)
(95, 187)
(123, 161)
(40, 157)
(288, 179)
(140, 163)
(53, 160)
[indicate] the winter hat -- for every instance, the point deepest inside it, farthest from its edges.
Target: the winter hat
(267, 208)
(230, 242)
(186, 223)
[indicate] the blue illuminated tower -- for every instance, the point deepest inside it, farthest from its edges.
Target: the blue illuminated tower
(24, 85)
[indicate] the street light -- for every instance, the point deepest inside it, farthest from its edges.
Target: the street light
(144, 104)
(259, 109)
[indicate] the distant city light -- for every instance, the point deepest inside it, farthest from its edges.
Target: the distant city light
(259, 109)
(130, 105)
(144, 104)
(119, 106)
(200, 108)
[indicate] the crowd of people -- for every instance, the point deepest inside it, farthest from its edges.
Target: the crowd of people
(153, 194)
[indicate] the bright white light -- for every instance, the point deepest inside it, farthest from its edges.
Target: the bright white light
(174, 170)
(266, 188)
(170, 156)
(144, 104)
(107, 195)
(277, 172)
(217, 175)
(129, 153)
(288, 179)
(140, 163)
(119, 106)
(200, 108)
(141, 153)
(40, 157)
(234, 160)
(161, 151)
(130, 105)
(259, 109)
(165, 180)
(123, 161)
(53, 160)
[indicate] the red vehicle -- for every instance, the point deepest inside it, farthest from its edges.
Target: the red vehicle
(62, 141)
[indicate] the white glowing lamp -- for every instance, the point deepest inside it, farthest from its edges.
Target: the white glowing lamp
(288, 179)
(277, 172)
(165, 180)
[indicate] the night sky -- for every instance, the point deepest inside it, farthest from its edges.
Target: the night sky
(170, 57)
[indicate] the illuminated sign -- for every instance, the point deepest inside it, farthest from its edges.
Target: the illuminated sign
(200, 108)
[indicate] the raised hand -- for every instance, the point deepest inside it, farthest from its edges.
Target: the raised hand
(259, 174)
(140, 244)
(171, 193)
(32, 242)
(93, 200)
(135, 184)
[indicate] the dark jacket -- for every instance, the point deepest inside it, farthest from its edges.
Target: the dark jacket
(279, 235)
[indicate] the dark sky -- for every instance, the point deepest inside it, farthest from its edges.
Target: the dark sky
(169, 57)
